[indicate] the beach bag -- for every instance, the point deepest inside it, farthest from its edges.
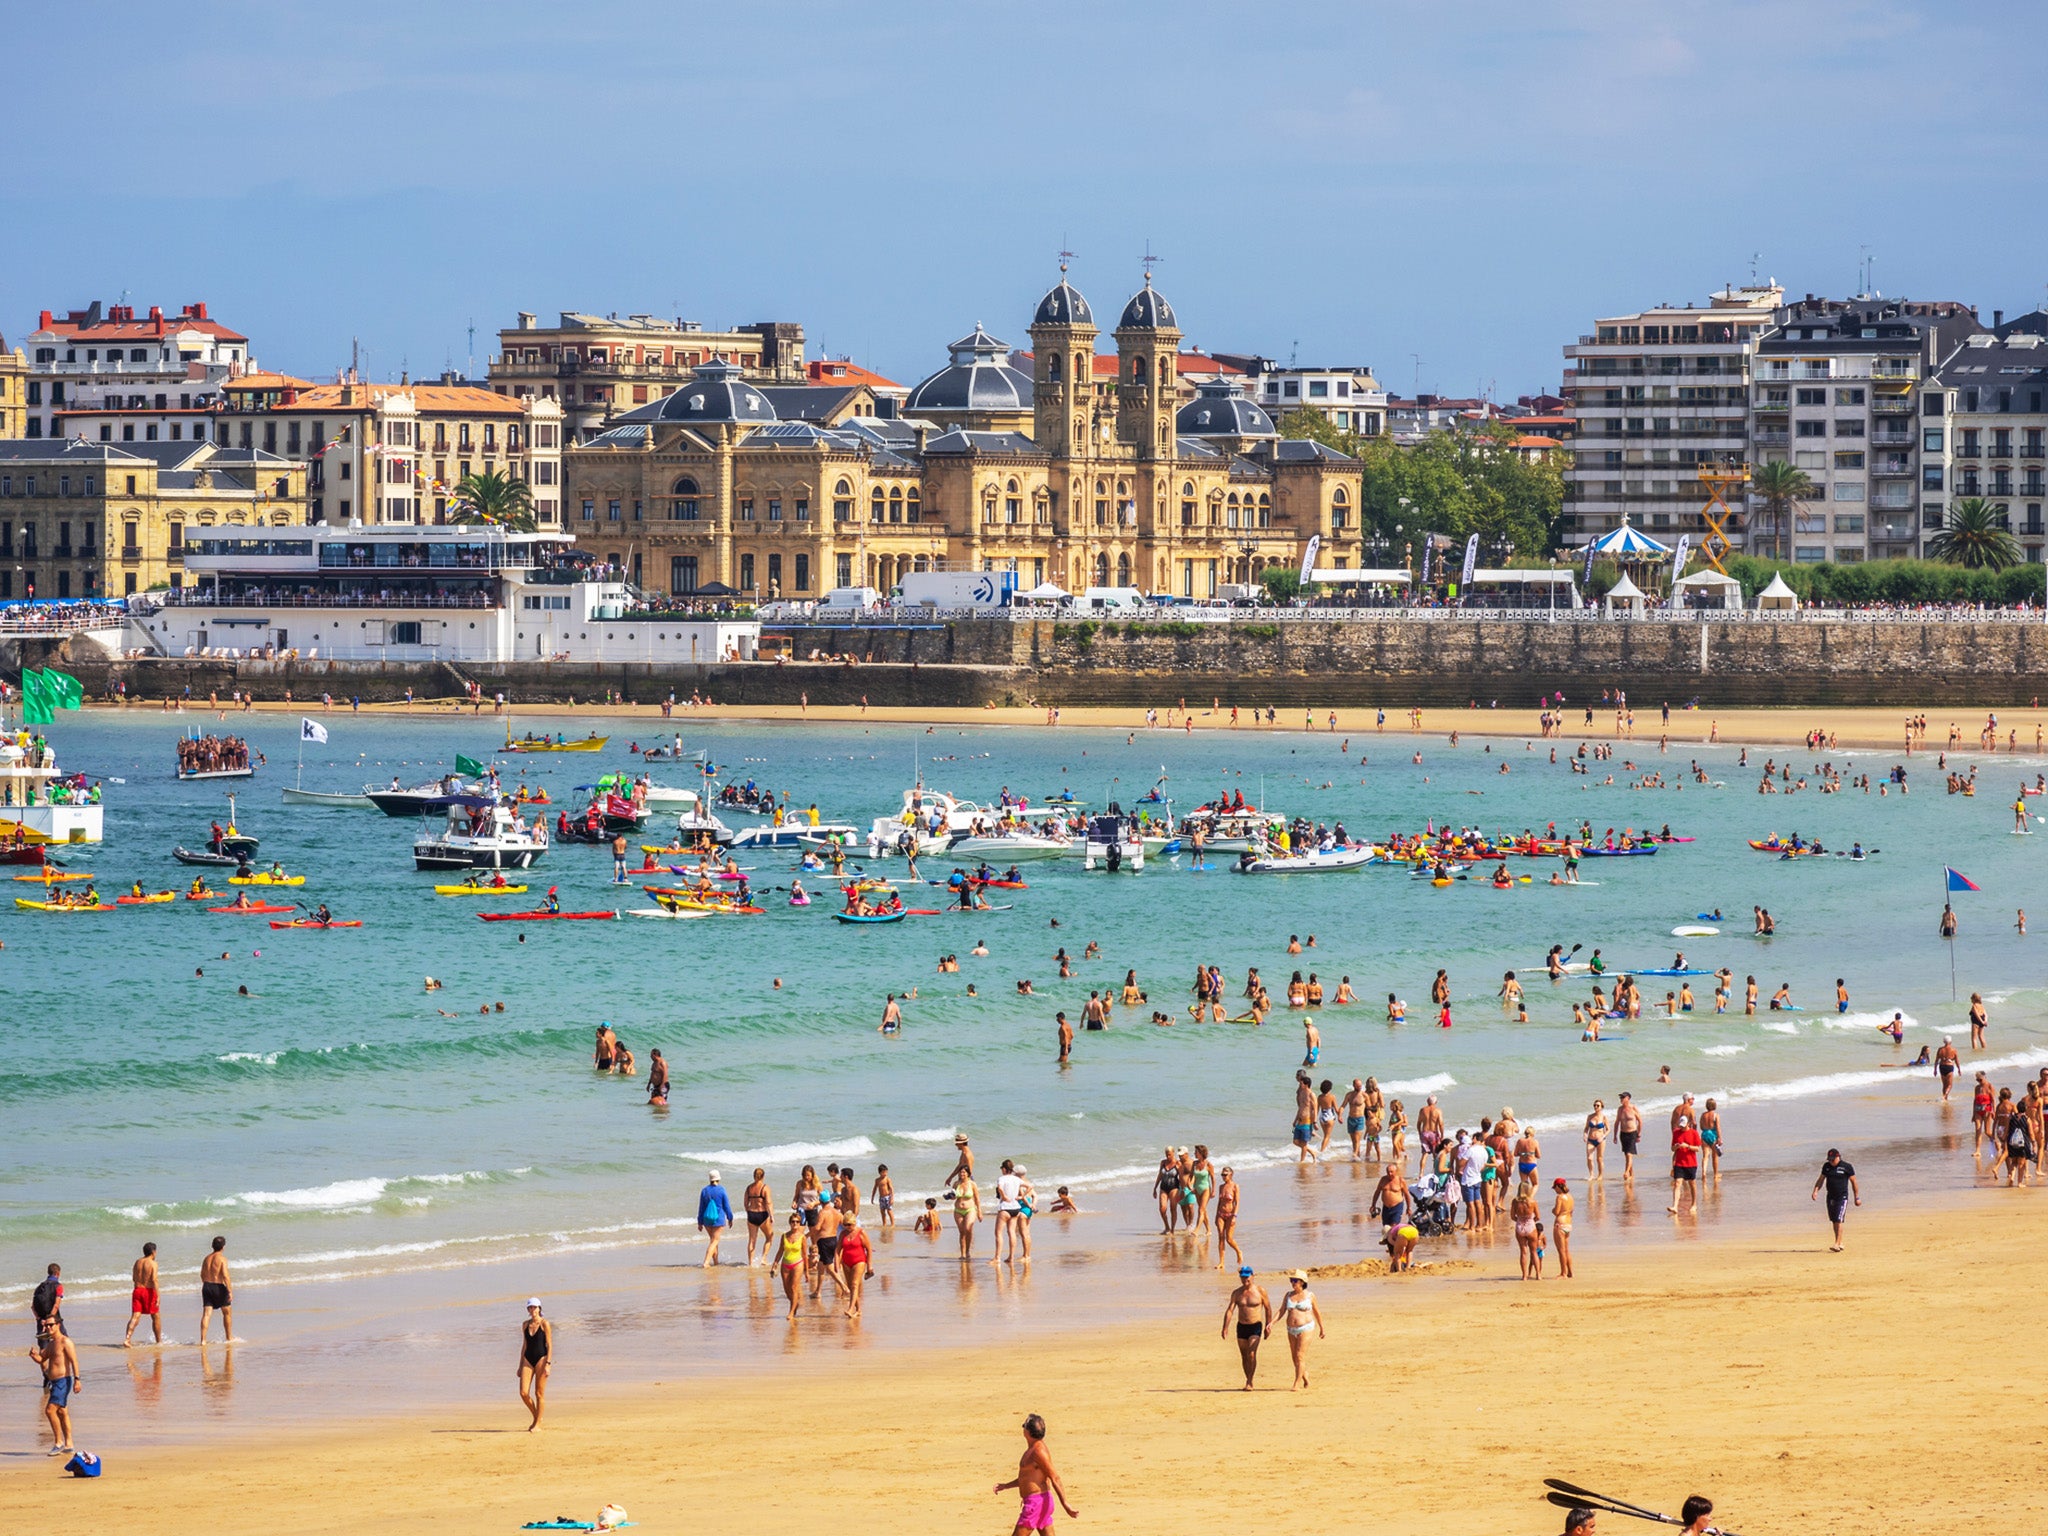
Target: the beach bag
(610, 1516)
(83, 1464)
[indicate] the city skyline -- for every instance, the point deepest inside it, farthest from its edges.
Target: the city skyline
(1450, 209)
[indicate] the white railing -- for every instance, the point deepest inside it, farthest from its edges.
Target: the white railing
(1591, 613)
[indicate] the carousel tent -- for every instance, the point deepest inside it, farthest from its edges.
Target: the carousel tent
(1625, 544)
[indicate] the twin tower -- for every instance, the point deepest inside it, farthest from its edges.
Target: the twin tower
(1067, 396)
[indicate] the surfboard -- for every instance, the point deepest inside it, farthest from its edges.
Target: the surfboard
(1695, 931)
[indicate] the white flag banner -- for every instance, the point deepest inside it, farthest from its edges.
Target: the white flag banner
(1678, 560)
(1308, 556)
(311, 730)
(1471, 562)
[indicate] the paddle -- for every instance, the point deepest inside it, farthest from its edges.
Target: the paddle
(1567, 1494)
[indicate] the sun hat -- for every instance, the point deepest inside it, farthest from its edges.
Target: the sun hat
(1298, 1274)
(714, 1176)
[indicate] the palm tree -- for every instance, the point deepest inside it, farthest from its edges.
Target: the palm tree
(496, 498)
(1780, 485)
(1975, 537)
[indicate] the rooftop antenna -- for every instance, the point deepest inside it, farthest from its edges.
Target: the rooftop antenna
(1418, 371)
(1754, 258)
(1293, 351)
(470, 372)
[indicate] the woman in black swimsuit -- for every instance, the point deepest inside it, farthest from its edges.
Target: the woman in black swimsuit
(536, 1356)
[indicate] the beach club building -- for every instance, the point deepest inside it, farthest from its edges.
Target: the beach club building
(427, 593)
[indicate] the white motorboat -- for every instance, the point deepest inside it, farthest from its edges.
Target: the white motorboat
(662, 794)
(40, 804)
(928, 822)
(1015, 847)
(1231, 831)
(482, 834)
(1114, 841)
(795, 834)
(1316, 861)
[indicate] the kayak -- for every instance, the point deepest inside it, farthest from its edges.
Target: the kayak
(705, 904)
(1668, 971)
(49, 876)
(307, 922)
(542, 917)
(266, 879)
(870, 917)
(202, 895)
(149, 900)
(57, 906)
(940, 911)
(706, 874)
(258, 906)
(479, 890)
(1616, 853)
(662, 912)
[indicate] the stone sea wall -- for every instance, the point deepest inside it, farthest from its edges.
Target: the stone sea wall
(1391, 661)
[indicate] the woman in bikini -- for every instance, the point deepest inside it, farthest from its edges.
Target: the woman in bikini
(1297, 992)
(966, 1212)
(1226, 1217)
(536, 1355)
(1561, 1226)
(1314, 991)
(1596, 1141)
(1327, 1114)
(1299, 1309)
(1522, 1211)
(1397, 1135)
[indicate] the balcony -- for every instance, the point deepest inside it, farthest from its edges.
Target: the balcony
(131, 551)
(1772, 439)
(61, 552)
(1967, 451)
(1892, 405)
(1999, 451)
(1893, 468)
(2031, 451)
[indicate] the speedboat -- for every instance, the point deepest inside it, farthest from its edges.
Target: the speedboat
(1113, 840)
(484, 834)
(1014, 847)
(1230, 831)
(336, 801)
(422, 799)
(929, 820)
(1316, 861)
(793, 834)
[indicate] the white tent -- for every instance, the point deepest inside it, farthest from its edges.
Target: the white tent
(1626, 595)
(1777, 598)
(1707, 589)
(1044, 592)
(1393, 576)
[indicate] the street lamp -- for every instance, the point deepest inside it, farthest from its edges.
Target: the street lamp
(1248, 546)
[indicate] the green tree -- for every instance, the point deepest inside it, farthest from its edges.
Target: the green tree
(1282, 583)
(1781, 485)
(1974, 537)
(496, 498)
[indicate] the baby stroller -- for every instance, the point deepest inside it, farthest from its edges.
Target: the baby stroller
(1434, 1213)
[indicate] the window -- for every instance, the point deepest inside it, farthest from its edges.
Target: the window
(1848, 490)
(589, 511)
(684, 508)
(895, 503)
(1319, 389)
(1811, 429)
(746, 573)
(803, 573)
(1850, 460)
(1848, 429)
(611, 510)
(177, 537)
(774, 514)
(1848, 522)
(1930, 440)
(636, 511)
(1932, 403)
(1812, 396)
(405, 632)
(803, 509)
(1848, 397)
(1292, 389)
(682, 573)
(774, 573)
(746, 509)
(878, 505)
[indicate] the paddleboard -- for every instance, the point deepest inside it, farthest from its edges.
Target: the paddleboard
(1666, 970)
(658, 912)
(1695, 931)
(1600, 1039)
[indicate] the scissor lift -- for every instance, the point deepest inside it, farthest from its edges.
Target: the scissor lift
(1717, 512)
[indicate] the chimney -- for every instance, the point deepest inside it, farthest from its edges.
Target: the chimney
(1997, 317)
(156, 312)
(526, 321)
(197, 311)
(43, 321)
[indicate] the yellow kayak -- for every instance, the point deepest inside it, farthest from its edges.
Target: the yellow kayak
(53, 876)
(479, 890)
(531, 744)
(147, 899)
(59, 906)
(266, 879)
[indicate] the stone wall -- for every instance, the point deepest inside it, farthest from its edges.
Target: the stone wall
(1392, 661)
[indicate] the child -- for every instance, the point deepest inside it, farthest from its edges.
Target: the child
(884, 1194)
(1541, 1249)
(928, 1219)
(1063, 1203)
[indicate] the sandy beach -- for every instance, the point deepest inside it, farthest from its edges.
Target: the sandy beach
(1861, 729)
(1801, 1389)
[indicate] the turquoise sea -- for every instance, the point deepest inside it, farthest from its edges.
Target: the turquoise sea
(338, 1125)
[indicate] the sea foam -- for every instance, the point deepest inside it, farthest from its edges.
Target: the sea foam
(785, 1152)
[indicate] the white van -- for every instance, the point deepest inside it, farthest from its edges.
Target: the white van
(843, 602)
(1126, 600)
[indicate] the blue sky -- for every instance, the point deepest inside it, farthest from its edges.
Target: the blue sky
(1469, 184)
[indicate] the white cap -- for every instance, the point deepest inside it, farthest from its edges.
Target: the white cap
(714, 1175)
(533, 1301)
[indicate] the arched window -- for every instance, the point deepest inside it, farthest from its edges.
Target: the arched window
(1165, 371)
(1230, 512)
(914, 507)
(1123, 570)
(1102, 503)
(1137, 370)
(1340, 512)
(1265, 510)
(1081, 368)
(684, 508)
(1102, 569)
(842, 502)
(896, 504)
(1013, 504)
(1052, 367)
(877, 505)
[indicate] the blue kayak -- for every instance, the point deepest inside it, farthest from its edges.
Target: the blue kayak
(870, 917)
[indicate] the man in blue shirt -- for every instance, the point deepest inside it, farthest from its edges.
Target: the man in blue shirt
(714, 1215)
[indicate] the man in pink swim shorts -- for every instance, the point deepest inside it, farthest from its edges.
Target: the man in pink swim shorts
(1037, 1483)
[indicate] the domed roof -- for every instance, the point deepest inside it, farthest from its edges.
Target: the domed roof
(716, 392)
(1063, 306)
(979, 378)
(1220, 409)
(1148, 310)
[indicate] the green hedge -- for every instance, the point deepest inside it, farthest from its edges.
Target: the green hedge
(1891, 581)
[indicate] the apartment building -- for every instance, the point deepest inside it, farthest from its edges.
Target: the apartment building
(89, 519)
(394, 453)
(1836, 391)
(599, 366)
(13, 391)
(1657, 396)
(112, 375)
(1984, 428)
(1348, 397)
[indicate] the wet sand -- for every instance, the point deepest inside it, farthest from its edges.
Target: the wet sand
(1803, 1390)
(1861, 729)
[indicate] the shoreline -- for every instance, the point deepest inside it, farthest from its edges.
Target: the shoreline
(1714, 1350)
(1854, 728)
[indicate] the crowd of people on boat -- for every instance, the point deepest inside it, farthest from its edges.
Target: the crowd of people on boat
(212, 754)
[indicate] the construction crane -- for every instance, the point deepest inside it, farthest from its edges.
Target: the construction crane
(1718, 480)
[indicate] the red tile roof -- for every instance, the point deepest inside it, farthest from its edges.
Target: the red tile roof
(837, 370)
(118, 323)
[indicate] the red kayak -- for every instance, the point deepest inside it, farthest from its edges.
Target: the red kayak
(307, 922)
(258, 906)
(542, 917)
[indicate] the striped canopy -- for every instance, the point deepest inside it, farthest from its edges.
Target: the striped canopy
(1624, 543)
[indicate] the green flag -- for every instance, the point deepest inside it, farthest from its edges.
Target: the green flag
(469, 765)
(65, 691)
(35, 698)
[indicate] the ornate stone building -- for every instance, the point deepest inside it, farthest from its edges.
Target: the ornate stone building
(1045, 473)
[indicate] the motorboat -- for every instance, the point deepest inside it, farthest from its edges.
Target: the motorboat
(482, 834)
(40, 804)
(794, 834)
(929, 820)
(1315, 861)
(1230, 830)
(1013, 847)
(422, 799)
(336, 802)
(1114, 841)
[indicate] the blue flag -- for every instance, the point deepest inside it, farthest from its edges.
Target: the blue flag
(1958, 881)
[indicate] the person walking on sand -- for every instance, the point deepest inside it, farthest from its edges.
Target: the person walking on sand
(856, 1263)
(144, 1300)
(758, 1200)
(793, 1260)
(1302, 1313)
(1037, 1484)
(1252, 1310)
(1628, 1130)
(215, 1293)
(1839, 1179)
(57, 1356)
(1227, 1194)
(536, 1355)
(1596, 1141)
(1685, 1167)
(1947, 1064)
(1561, 1225)
(966, 1212)
(1304, 1117)
(714, 1215)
